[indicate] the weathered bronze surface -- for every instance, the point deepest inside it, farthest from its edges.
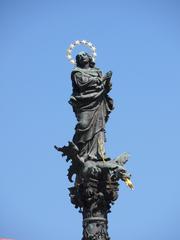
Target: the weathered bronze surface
(96, 175)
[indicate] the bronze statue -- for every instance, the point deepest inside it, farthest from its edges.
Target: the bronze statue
(91, 105)
(97, 175)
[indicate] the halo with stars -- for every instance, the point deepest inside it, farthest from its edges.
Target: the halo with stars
(77, 43)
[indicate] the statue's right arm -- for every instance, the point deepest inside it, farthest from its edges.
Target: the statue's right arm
(83, 81)
(79, 79)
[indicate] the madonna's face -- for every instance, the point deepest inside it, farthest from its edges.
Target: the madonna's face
(83, 58)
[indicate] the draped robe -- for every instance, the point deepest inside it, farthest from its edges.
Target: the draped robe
(92, 106)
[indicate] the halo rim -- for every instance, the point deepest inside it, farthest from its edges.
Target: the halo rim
(76, 43)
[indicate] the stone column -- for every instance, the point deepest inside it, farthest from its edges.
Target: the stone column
(94, 197)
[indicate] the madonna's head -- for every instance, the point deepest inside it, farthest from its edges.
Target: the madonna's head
(84, 58)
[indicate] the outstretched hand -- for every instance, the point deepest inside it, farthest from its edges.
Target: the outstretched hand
(108, 74)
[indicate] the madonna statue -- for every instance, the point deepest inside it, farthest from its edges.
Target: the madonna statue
(91, 105)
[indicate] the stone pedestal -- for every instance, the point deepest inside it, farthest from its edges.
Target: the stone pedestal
(94, 198)
(95, 189)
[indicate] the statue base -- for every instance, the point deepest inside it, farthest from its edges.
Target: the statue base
(95, 190)
(94, 198)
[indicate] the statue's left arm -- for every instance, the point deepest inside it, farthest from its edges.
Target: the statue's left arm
(107, 81)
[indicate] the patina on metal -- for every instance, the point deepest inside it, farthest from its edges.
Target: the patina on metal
(96, 175)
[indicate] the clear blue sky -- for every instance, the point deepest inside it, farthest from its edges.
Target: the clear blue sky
(140, 42)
